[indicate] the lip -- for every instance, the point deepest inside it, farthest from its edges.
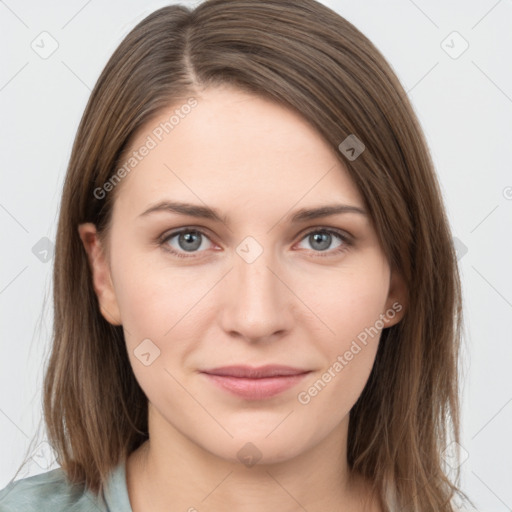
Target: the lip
(255, 383)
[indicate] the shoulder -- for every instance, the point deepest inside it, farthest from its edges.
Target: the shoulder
(48, 492)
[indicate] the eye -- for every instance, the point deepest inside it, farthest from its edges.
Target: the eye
(321, 240)
(187, 242)
(184, 241)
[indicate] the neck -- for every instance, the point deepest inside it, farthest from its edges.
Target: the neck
(171, 472)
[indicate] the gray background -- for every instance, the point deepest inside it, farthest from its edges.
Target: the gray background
(464, 103)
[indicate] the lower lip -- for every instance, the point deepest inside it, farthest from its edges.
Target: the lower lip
(256, 389)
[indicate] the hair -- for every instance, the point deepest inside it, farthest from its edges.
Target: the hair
(306, 57)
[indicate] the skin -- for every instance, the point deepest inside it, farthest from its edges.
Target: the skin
(296, 304)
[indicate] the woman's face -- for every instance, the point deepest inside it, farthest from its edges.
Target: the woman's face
(259, 285)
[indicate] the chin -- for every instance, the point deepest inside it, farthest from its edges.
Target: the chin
(251, 448)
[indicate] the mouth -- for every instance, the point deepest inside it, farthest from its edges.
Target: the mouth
(255, 383)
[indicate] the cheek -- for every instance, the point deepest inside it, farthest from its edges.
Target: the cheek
(347, 300)
(350, 307)
(348, 355)
(157, 310)
(167, 305)
(143, 302)
(152, 297)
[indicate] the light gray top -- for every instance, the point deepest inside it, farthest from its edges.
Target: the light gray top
(52, 492)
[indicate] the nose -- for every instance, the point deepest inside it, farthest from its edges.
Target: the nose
(256, 305)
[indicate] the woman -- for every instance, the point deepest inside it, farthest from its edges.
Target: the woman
(207, 353)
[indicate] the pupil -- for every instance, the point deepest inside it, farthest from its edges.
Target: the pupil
(191, 239)
(322, 237)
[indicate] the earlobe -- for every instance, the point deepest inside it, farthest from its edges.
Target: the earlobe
(101, 278)
(396, 303)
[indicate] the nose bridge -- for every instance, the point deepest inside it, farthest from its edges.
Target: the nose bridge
(256, 303)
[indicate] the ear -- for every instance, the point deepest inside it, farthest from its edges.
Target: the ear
(100, 270)
(397, 298)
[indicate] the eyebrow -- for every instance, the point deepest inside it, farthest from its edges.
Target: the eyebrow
(205, 212)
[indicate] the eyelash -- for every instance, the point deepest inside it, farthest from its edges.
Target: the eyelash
(347, 242)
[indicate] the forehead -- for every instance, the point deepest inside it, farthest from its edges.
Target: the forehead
(233, 148)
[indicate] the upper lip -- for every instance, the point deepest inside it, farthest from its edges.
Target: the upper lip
(251, 372)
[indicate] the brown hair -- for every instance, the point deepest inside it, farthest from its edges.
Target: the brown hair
(308, 58)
